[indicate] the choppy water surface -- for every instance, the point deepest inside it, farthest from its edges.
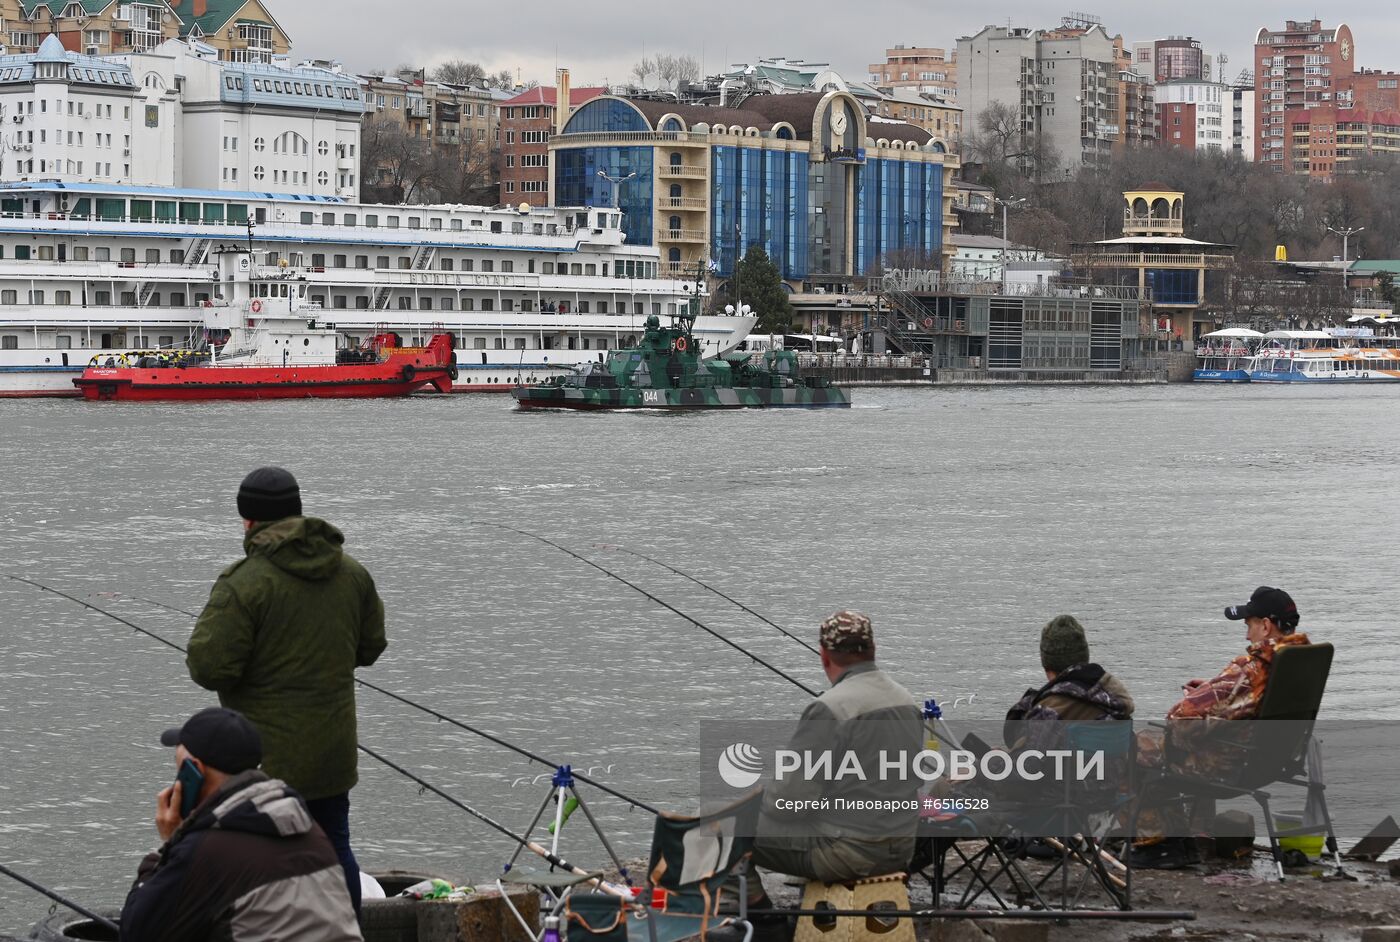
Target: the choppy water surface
(961, 519)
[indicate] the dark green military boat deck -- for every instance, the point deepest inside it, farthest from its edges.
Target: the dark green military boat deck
(665, 371)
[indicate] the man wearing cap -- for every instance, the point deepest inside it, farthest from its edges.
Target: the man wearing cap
(865, 713)
(248, 864)
(1271, 622)
(279, 640)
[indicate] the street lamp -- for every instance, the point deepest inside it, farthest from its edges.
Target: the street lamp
(616, 183)
(1346, 235)
(1006, 242)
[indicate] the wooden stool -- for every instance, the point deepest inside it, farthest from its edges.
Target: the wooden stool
(873, 894)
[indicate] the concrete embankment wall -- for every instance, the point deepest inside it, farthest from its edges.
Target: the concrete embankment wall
(920, 376)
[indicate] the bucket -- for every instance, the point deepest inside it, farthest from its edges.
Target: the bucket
(1309, 844)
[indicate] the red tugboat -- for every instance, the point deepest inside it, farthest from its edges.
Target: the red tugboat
(269, 345)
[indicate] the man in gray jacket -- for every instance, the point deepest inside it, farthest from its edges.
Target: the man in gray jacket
(808, 828)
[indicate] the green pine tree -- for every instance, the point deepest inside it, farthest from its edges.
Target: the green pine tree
(761, 284)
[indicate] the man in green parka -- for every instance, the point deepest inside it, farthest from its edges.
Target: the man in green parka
(279, 641)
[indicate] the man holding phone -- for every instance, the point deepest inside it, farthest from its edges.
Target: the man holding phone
(279, 641)
(240, 857)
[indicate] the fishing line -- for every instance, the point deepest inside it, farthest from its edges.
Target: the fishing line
(664, 604)
(519, 750)
(40, 888)
(708, 588)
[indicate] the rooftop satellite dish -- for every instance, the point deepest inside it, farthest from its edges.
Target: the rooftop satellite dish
(523, 209)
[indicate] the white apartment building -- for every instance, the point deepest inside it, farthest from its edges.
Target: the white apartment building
(178, 117)
(1214, 111)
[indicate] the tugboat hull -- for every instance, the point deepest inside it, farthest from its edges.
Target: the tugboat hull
(690, 399)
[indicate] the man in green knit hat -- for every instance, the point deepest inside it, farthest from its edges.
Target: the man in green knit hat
(279, 641)
(1075, 688)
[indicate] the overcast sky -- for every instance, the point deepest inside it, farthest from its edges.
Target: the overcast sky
(599, 42)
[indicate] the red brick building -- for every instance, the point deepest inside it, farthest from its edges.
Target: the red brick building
(1176, 124)
(528, 121)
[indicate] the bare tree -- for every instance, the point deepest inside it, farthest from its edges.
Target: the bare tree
(505, 78)
(643, 70)
(459, 72)
(394, 165)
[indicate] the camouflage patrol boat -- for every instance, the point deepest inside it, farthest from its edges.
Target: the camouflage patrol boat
(665, 371)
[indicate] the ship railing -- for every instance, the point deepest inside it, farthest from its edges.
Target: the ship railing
(860, 361)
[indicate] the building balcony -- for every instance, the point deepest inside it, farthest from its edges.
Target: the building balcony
(682, 235)
(1148, 224)
(684, 202)
(634, 137)
(688, 171)
(1154, 260)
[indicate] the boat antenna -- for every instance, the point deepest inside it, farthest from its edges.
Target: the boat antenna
(519, 750)
(664, 604)
(250, 243)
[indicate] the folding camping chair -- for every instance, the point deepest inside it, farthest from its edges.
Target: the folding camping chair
(1272, 749)
(1084, 818)
(691, 860)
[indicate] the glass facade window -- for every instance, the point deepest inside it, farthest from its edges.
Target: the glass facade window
(759, 197)
(606, 115)
(899, 209)
(576, 183)
(1172, 286)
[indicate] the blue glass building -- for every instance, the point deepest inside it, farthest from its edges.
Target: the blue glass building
(805, 176)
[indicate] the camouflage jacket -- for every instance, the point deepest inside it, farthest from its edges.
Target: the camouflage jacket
(1232, 694)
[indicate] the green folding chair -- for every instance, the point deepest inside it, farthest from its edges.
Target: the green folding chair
(691, 860)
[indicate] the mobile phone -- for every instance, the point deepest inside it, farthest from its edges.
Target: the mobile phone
(191, 781)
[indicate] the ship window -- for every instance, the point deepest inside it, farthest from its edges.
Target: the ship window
(102, 297)
(153, 256)
(237, 213)
(328, 219)
(213, 212)
(362, 261)
(507, 304)
(478, 344)
(447, 264)
(520, 343)
(457, 225)
(338, 302)
(488, 265)
(405, 262)
(339, 262)
(508, 266)
(176, 256)
(434, 223)
(468, 264)
(371, 220)
(189, 212)
(141, 210)
(22, 252)
(63, 342)
(110, 209)
(600, 344)
(9, 341)
(128, 299)
(46, 253)
(487, 304)
(128, 255)
(362, 302)
(425, 304)
(155, 300)
(165, 211)
(177, 299)
(496, 226)
(500, 343)
(349, 219)
(381, 261)
(318, 260)
(548, 268)
(101, 253)
(602, 307)
(468, 304)
(393, 222)
(449, 303)
(415, 222)
(583, 307)
(307, 218)
(9, 296)
(405, 303)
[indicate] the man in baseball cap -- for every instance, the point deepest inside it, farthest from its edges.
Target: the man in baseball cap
(1271, 622)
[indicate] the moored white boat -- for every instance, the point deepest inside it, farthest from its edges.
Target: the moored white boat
(1223, 356)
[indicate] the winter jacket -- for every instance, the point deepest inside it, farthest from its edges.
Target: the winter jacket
(865, 713)
(279, 640)
(1081, 692)
(1233, 694)
(248, 865)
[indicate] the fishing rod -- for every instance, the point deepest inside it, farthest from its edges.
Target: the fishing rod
(664, 604)
(552, 858)
(519, 750)
(708, 588)
(40, 888)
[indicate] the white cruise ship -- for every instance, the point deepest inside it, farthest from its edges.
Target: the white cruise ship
(89, 269)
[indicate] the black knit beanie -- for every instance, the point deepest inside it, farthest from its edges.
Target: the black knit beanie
(1062, 644)
(269, 494)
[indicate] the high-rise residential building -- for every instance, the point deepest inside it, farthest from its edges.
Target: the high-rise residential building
(1308, 88)
(1166, 60)
(528, 124)
(1242, 119)
(1192, 114)
(1064, 85)
(921, 68)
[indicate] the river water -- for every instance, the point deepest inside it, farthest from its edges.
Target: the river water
(961, 519)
